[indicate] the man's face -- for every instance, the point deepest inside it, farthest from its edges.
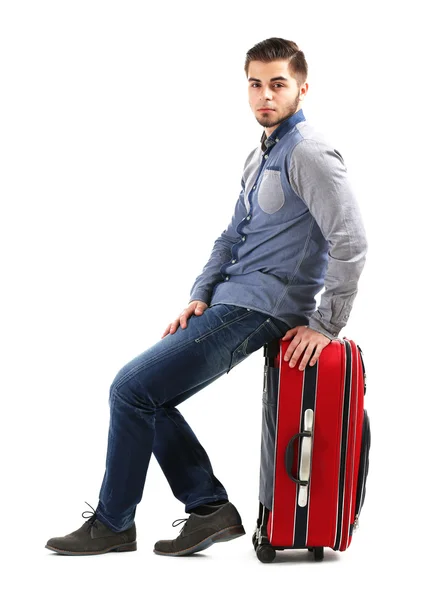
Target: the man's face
(282, 95)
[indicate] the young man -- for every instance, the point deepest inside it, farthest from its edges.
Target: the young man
(296, 227)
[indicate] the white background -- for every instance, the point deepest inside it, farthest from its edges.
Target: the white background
(124, 128)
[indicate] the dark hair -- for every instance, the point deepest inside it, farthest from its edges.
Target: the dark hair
(279, 49)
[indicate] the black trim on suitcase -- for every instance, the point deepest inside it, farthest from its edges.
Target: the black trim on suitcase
(344, 442)
(308, 402)
(363, 464)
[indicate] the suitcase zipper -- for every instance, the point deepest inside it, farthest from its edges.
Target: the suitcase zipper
(363, 468)
(363, 369)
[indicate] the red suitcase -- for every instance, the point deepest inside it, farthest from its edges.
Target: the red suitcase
(315, 451)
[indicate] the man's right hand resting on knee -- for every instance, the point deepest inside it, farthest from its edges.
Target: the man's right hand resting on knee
(195, 307)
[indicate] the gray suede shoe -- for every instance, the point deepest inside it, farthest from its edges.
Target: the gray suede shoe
(94, 538)
(201, 531)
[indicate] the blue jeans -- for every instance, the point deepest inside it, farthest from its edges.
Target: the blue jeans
(143, 414)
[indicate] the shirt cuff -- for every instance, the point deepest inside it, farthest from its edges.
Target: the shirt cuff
(201, 296)
(320, 328)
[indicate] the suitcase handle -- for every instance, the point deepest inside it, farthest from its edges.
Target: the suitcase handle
(289, 456)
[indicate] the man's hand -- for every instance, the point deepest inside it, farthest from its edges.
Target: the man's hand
(304, 340)
(195, 307)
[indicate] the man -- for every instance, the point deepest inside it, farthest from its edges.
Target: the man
(296, 227)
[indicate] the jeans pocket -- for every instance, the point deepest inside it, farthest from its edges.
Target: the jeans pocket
(254, 341)
(227, 311)
(221, 316)
(278, 327)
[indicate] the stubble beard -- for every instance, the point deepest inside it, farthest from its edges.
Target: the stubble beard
(265, 121)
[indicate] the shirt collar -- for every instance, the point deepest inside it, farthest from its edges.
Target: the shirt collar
(281, 130)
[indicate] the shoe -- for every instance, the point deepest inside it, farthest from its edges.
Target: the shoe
(201, 531)
(94, 538)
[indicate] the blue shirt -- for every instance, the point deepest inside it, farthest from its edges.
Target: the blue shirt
(296, 228)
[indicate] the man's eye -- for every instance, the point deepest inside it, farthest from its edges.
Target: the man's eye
(257, 85)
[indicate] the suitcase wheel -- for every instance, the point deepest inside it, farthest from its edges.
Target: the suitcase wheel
(265, 553)
(318, 553)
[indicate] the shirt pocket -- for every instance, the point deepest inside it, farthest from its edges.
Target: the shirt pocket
(270, 195)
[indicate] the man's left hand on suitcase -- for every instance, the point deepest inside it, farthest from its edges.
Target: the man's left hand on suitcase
(304, 340)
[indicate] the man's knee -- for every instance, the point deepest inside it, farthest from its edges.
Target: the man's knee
(128, 388)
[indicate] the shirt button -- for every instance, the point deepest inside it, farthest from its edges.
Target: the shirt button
(227, 277)
(254, 187)
(277, 140)
(233, 261)
(266, 155)
(244, 237)
(248, 217)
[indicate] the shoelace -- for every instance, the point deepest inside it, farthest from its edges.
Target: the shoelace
(178, 522)
(90, 519)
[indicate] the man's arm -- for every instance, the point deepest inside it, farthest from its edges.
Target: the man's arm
(319, 177)
(202, 289)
